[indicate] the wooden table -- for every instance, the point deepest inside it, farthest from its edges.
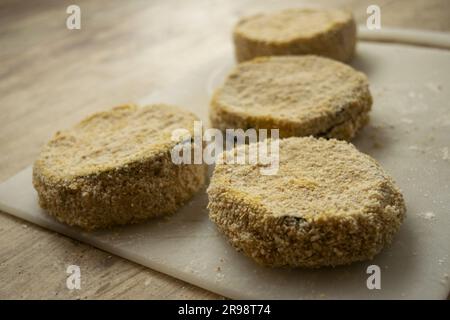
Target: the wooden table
(50, 77)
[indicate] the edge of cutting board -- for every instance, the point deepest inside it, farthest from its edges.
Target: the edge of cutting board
(434, 39)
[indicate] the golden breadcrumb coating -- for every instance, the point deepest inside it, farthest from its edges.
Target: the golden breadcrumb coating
(299, 95)
(328, 205)
(115, 167)
(326, 32)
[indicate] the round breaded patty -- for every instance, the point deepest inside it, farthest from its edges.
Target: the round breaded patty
(325, 32)
(328, 205)
(299, 95)
(115, 168)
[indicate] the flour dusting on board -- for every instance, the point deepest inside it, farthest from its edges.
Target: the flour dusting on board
(445, 155)
(428, 215)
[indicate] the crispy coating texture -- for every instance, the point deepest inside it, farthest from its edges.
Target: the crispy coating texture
(328, 205)
(326, 32)
(299, 95)
(115, 168)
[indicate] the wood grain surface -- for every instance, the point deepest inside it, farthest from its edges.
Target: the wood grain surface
(50, 77)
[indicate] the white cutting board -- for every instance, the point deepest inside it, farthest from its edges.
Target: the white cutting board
(409, 134)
